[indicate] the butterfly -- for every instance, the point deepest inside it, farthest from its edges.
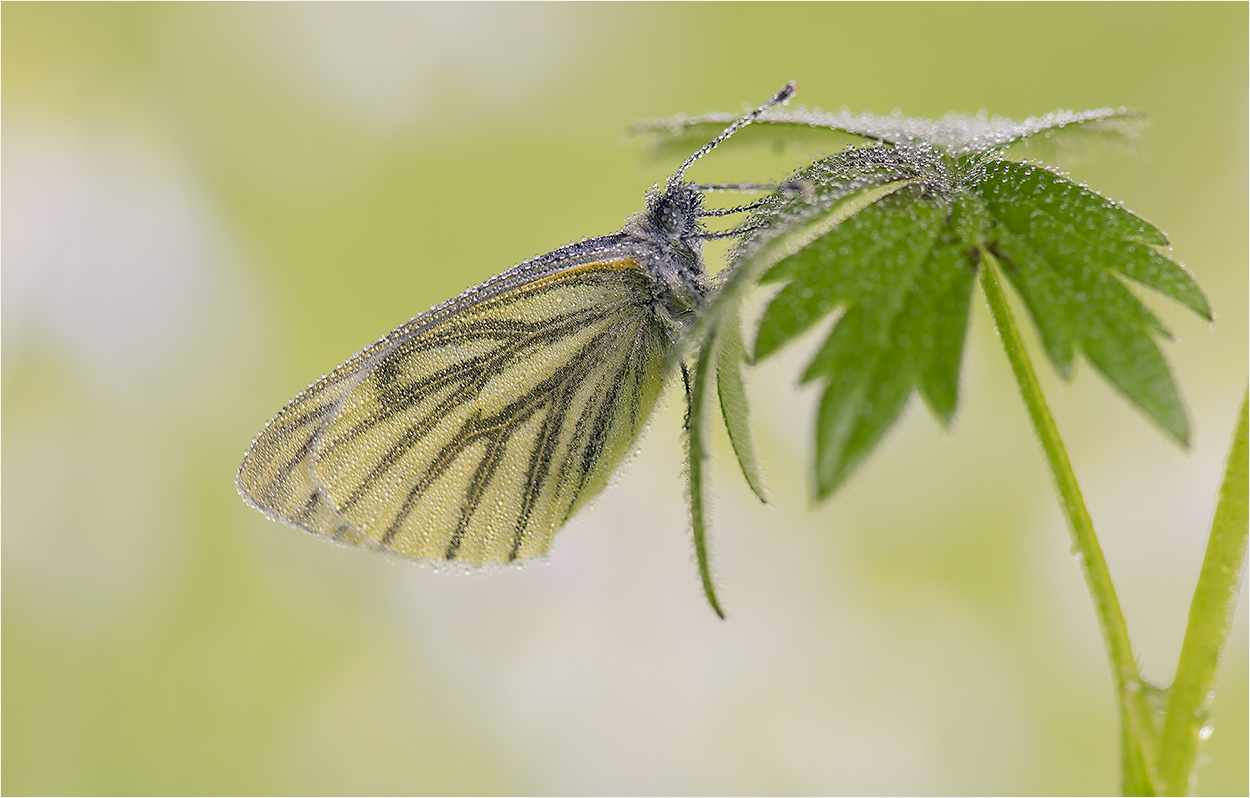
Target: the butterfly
(473, 432)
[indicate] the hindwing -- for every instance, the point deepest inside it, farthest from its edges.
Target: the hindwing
(475, 431)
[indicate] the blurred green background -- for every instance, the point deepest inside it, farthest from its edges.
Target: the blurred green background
(207, 206)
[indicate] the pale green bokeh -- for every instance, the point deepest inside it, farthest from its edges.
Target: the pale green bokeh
(207, 206)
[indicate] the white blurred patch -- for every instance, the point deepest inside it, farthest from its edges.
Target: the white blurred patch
(106, 251)
(384, 64)
(89, 526)
(117, 277)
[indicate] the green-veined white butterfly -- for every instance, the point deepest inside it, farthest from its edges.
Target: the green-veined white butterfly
(474, 431)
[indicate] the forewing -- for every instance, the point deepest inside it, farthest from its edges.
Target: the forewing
(475, 438)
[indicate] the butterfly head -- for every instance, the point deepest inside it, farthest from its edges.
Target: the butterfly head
(676, 210)
(668, 233)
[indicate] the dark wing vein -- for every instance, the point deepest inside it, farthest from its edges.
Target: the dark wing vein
(506, 419)
(399, 398)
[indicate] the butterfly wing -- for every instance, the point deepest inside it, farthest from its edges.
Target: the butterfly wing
(476, 430)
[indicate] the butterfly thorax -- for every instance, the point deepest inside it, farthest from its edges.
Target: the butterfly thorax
(666, 235)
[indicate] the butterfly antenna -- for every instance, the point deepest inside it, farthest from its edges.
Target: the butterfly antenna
(787, 91)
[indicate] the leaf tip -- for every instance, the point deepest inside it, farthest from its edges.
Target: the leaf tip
(943, 418)
(1181, 436)
(829, 480)
(762, 349)
(941, 406)
(1066, 369)
(1174, 422)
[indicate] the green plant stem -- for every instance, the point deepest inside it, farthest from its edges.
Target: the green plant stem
(1135, 719)
(1210, 619)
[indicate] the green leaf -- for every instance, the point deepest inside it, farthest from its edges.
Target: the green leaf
(698, 387)
(1044, 295)
(1211, 612)
(730, 354)
(1072, 223)
(900, 270)
(1065, 250)
(955, 133)
(866, 388)
(937, 314)
(876, 266)
(854, 260)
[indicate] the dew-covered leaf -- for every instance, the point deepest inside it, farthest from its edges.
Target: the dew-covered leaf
(901, 272)
(1073, 222)
(1065, 249)
(868, 255)
(867, 385)
(808, 205)
(698, 388)
(674, 138)
(936, 321)
(730, 354)
(957, 134)
(1045, 296)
